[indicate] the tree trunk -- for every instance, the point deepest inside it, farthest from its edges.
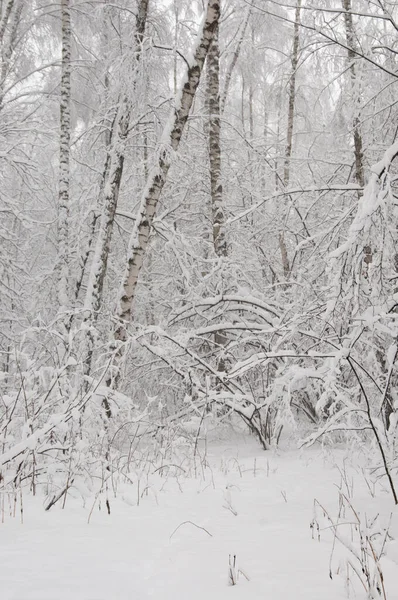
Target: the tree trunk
(94, 215)
(234, 60)
(352, 55)
(4, 16)
(213, 93)
(64, 160)
(158, 175)
(216, 192)
(7, 47)
(113, 172)
(290, 129)
(292, 94)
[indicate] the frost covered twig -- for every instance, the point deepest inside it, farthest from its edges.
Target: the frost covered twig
(190, 523)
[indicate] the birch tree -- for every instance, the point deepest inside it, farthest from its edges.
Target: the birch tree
(4, 17)
(216, 191)
(8, 45)
(290, 126)
(292, 94)
(234, 60)
(64, 282)
(352, 53)
(113, 172)
(158, 175)
(216, 188)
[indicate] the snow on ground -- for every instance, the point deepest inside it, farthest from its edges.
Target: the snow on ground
(255, 505)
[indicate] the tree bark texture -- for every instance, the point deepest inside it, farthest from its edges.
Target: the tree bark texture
(216, 192)
(4, 17)
(64, 160)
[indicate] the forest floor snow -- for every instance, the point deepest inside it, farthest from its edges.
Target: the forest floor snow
(176, 544)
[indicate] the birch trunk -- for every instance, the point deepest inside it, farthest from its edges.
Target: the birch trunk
(235, 56)
(158, 175)
(352, 55)
(4, 17)
(113, 172)
(8, 46)
(292, 94)
(175, 62)
(64, 160)
(216, 191)
(94, 216)
(213, 93)
(290, 128)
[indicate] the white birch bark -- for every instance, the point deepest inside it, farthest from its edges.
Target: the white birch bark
(216, 190)
(88, 250)
(113, 173)
(213, 93)
(292, 94)
(352, 54)
(4, 17)
(7, 43)
(157, 178)
(290, 128)
(232, 65)
(64, 160)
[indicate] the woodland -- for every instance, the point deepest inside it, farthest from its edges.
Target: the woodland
(199, 223)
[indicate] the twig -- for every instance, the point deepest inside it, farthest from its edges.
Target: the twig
(190, 523)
